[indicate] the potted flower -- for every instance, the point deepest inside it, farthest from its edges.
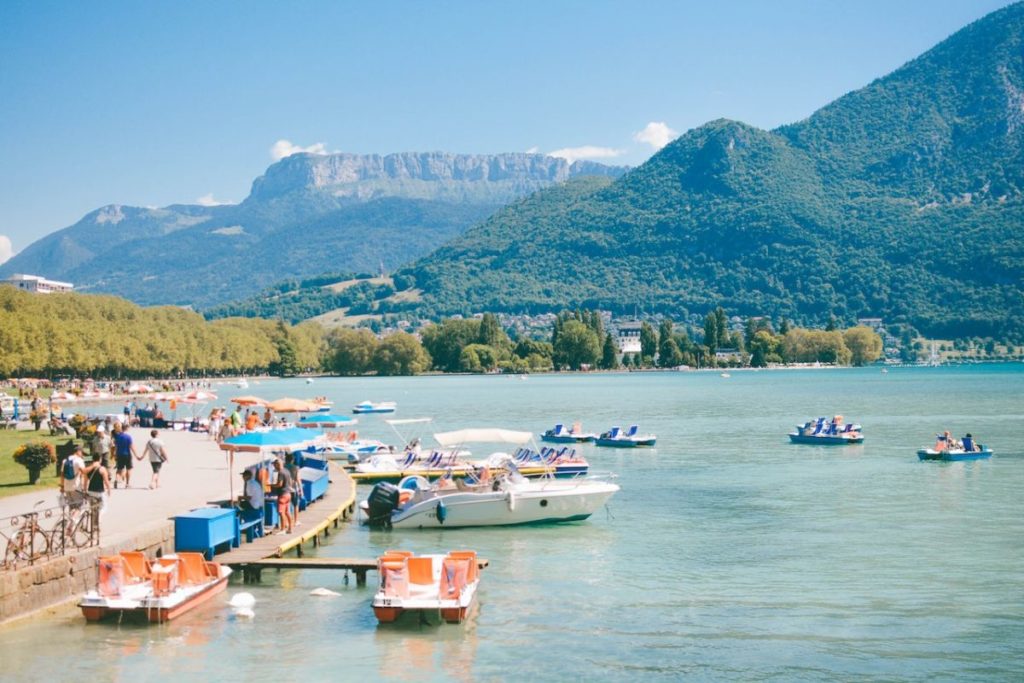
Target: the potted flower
(34, 456)
(83, 428)
(36, 417)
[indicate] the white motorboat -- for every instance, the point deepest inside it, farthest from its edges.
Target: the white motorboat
(507, 499)
(504, 498)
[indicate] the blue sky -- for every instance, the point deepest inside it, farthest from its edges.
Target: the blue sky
(154, 103)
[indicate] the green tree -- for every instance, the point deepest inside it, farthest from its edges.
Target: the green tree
(864, 344)
(350, 352)
(711, 333)
(609, 354)
(577, 345)
(445, 341)
(400, 354)
(479, 358)
(648, 343)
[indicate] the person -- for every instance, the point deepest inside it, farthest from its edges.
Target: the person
(251, 421)
(71, 478)
(268, 416)
(969, 444)
(226, 432)
(252, 494)
(97, 481)
(124, 451)
(293, 469)
(236, 421)
(283, 488)
(101, 445)
(157, 457)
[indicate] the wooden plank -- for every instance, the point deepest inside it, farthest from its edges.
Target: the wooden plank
(325, 563)
(333, 507)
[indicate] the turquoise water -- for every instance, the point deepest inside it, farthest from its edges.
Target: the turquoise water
(729, 554)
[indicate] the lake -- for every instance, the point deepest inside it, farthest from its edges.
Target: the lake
(729, 554)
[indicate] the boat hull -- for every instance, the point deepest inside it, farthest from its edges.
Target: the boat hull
(506, 508)
(828, 440)
(955, 456)
(154, 614)
(582, 438)
(624, 443)
(561, 471)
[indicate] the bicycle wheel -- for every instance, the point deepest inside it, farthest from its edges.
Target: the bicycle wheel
(81, 535)
(40, 544)
(14, 554)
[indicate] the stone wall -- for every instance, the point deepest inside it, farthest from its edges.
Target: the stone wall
(63, 579)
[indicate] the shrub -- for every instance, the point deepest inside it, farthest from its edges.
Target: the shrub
(35, 455)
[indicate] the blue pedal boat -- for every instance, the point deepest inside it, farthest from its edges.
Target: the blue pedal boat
(559, 434)
(954, 455)
(616, 438)
(824, 433)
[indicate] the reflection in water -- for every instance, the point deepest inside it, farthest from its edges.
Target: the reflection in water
(417, 651)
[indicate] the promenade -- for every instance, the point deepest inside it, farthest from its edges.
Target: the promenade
(196, 472)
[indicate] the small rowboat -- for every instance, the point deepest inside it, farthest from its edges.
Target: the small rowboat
(434, 587)
(157, 591)
(954, 455)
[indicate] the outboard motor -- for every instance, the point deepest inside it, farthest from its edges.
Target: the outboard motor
(382, 501)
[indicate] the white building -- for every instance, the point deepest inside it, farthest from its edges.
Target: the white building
(38, 285)
(629, 337)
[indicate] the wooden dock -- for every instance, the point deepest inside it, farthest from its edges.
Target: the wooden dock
(251, 570)
(317, 520)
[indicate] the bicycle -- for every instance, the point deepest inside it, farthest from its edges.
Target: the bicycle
(80, 523)
(30, 542)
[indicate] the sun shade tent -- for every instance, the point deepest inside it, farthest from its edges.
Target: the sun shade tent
(249, 401)
(294, 405)
(484, 435)
(267, 441)
(326, 420)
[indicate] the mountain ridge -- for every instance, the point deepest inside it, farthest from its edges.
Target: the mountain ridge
(181, 254)
(902, 199)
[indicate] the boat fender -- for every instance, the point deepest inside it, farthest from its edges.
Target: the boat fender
(511, 501)
(442, 511)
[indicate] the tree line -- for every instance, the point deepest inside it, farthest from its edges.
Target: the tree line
(579, 340)
(104, 336)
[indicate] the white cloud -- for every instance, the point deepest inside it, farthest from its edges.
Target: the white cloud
(208, 200)
(285, 148)
(6, 250)
(657, 134)
(572, 154)
(533, 150)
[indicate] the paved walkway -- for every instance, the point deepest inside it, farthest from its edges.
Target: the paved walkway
(196, 472)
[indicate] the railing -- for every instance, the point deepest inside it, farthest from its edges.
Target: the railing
(45, 533)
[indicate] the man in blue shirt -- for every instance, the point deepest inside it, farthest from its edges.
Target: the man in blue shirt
(124, 452)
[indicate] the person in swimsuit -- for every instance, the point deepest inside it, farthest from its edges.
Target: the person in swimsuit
(283, 488)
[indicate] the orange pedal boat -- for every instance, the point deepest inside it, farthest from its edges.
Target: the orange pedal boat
(430, 585)
(157, 590)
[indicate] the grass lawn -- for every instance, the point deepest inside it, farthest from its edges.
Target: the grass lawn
(14, 477)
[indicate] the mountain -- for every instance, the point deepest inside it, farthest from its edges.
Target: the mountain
(902, 200)
(308, 214)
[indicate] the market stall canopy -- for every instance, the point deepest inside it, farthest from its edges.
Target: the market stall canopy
(483, 435)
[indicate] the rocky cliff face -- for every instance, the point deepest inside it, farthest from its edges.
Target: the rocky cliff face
(362, 176)
(306, 215)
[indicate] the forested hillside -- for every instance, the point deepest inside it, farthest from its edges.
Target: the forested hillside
(902, 200)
